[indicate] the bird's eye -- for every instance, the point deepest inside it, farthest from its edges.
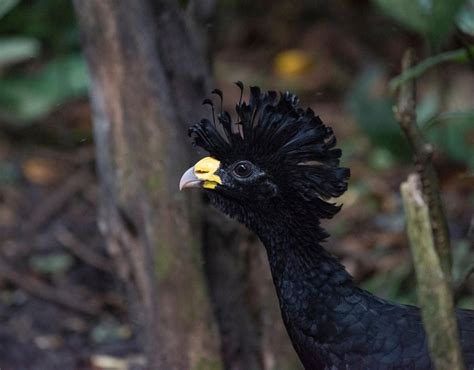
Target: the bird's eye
(243, 169)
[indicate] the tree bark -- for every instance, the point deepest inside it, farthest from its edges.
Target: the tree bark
(148, 78)
(149, 71)
(433, 288)
(405, 112)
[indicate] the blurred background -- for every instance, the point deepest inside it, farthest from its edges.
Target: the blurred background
(63, 305)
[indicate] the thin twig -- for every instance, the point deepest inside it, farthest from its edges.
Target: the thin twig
(405, 113)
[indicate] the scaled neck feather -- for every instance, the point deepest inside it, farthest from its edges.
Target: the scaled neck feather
(293, 243)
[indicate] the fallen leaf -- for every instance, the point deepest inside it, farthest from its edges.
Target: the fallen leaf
(41, 171)
(293, 63)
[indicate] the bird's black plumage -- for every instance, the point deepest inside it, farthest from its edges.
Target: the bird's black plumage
(279, 167)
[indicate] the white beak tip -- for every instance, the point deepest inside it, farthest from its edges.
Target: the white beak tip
(189, 180)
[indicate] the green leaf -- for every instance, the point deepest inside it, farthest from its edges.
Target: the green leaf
(453, 132)
(459, 56)
(52, 22)
(465, 18)
(110, 331)
(17, 49)
(443, 119)
(442, 19)
(428, 107)
(7, 5)
(432, 18)
(381, 159)
(374, 113)
(25, 98)
(410, 13)
(53, 263)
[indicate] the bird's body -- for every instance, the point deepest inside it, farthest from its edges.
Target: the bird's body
(274, 170)
(335, 325)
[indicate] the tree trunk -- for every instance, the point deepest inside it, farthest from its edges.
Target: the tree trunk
(148, 78)
(149, 75)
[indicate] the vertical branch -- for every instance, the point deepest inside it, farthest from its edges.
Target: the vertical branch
(429, 239)
(405, 113)
(434, 292)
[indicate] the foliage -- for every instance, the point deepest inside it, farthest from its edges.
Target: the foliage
(465, 18)
(15, 49)
(434, 19)
(110, 331)
(373, 112)
(53, 263)
(51, 22)
(27, 97)
(453, 131)
(450, 131)
(7, 5)
(460, 56)
(42, 30)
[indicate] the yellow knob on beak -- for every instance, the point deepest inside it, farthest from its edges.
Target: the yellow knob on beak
(202, 175)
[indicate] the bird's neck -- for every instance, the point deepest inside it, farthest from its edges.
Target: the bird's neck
(295, 252)
(310, 282)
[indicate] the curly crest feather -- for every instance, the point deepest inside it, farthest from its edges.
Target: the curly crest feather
(274, 133)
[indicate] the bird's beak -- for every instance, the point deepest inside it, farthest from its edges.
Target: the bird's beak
(202, 175)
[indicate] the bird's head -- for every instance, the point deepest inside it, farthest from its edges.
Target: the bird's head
(275, 159)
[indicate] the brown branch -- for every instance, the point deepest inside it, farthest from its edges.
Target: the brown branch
(82, 251)
(429, 239)
(83, 303)
(54, 202)
(434, 293)
(405, 113)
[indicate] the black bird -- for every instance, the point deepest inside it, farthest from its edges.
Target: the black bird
(275, 169)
